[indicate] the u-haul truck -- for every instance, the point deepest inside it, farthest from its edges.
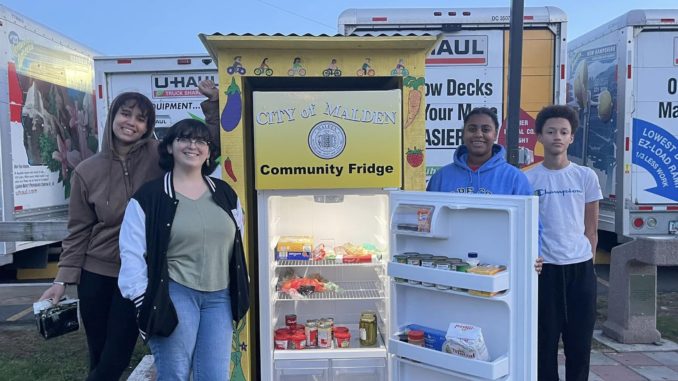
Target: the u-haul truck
(170, 82)
(623, 79)
(469, 68)
(46, 128)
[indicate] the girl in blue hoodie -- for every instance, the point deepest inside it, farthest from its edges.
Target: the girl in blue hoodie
(479, 164)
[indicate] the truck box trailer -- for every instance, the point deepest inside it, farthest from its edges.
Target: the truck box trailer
(170, 82)
(47, 126)
(469, 68)
(623, 79)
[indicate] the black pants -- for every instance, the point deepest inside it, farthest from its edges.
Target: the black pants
(567, 306)
(110, 325)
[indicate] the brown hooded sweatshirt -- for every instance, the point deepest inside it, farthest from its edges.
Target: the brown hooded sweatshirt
(100, 189)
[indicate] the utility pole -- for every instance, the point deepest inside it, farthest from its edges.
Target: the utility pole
(514, 77)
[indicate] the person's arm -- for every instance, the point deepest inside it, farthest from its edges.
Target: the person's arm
(133, 278)
(526, 188)
(210, 107)
(591, 224)
(81, 219)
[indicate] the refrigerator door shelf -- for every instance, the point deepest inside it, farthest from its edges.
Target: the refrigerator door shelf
(502, 297)
(407, 219)
(490, 370)
(490, 283)
(367, 290)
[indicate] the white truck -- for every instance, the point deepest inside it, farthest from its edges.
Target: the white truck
(170, 82)
(469, 68)
(47, 126)
(623, 79)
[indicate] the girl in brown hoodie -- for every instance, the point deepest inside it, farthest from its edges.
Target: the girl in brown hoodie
(100, 189)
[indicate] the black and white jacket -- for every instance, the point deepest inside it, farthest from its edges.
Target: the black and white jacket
(144, 238)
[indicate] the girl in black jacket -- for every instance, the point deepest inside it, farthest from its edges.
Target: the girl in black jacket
(183, 262)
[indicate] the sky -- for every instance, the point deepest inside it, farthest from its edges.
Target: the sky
(169, 27)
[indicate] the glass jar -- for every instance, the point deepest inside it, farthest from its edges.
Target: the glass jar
(342, 338)
(324, 334)
(311, 332)
(368, 329)
(416, 337)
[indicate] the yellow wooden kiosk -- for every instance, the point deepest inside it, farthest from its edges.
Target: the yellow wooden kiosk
(248, 62)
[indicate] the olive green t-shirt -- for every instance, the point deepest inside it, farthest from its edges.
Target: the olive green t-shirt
(201, 243)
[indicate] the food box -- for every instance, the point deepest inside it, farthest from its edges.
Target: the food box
(433, 338)
(294, 248)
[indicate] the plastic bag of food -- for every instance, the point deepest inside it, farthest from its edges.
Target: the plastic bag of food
(466, 340)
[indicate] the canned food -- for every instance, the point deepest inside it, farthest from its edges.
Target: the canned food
(456, 260)
(311, 332)
(282, 337)
(342, 338)
(291, 320)
(414, 261)
(297, 340)
(368, 329)
(461, 267)
(429, 263)
(400, 258)
(443, 264)
(324, 334)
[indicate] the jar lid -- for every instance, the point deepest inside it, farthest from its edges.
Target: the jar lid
(340, 329)
(415, 335)
(473, 255)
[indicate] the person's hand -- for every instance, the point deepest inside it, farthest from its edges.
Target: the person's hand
(209, 89)
(56, 292)
(538, 264)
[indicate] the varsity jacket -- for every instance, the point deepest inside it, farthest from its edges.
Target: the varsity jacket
(144, 238)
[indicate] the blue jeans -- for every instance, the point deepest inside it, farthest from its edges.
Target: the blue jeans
(201, 342)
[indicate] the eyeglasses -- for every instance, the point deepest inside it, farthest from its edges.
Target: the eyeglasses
(200, 143)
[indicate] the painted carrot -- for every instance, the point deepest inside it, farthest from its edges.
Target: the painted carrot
(230, 116)
(414, 98)
(228, 166)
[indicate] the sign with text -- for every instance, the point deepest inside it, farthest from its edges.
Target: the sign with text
(328, 139)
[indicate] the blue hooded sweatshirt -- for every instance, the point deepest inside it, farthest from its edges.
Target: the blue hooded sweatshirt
(496, 176)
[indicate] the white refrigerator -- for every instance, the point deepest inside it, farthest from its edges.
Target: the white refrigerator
(501, 229)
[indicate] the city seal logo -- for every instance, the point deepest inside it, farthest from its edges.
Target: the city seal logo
(327, 140)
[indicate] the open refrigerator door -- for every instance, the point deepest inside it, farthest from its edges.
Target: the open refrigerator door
(324, 295)
(477, 324)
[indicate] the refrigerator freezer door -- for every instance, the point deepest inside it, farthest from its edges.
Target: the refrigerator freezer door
(503, 231)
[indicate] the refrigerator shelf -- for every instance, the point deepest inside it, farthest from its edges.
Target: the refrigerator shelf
(354, 352)
(456, 364)
(323, 263)
(349, 291)
(490, 283)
